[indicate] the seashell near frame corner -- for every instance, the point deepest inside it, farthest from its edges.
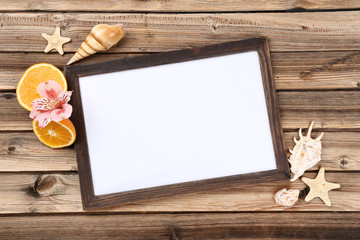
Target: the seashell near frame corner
(305, 154)
(101, 38)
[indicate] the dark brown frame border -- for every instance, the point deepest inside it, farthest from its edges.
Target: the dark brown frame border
(73, 73)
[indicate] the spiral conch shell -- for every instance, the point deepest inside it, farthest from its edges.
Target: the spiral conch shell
(305, 154)
(286, 198)
(101, 38)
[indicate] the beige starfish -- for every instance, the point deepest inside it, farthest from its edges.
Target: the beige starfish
(319, 187)
(55, 41)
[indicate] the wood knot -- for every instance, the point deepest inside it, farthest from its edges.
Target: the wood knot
(343, 161)
(305, 28)
(47, 185)
(358, 84)
(9, 96)
(305, 75)
(11, 150)
(215, 27)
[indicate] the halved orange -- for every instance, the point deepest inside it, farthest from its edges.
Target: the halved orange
(56, 134)
(26, 89)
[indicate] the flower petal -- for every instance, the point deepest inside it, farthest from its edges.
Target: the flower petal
(43, 117)
(34, 113)
(49, 89)
(62, 113)
(43, 104)
(44, 122)
(64, 97)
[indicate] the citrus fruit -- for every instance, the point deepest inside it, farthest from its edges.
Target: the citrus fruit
(26, 90)
(55, 134)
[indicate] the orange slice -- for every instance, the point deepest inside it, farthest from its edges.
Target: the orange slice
(26, 90)
(56, 134)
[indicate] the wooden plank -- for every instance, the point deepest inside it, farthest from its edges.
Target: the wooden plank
(10, 73)
(309, 31)
(22, 60)
(299, 70)
(320, 101)
(184, 226)
(21, 152)
(175, 6)
(13, 116)
(56, 193)
(316, 70)
(331, 110)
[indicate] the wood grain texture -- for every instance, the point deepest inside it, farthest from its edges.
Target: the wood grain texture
(299, 70)
(201, 226)
(333, 35)
(21, 152)
(20, 196)
(331, 110)
(316, 70)
(175, 6)
(11, 71)
(13, 116)
(323, 31)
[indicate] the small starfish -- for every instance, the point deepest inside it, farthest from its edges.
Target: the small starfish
(319, 187)
(55, 41)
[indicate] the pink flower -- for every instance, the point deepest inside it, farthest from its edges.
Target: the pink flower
(53, 104)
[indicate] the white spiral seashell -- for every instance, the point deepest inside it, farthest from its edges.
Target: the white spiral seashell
(101, 38)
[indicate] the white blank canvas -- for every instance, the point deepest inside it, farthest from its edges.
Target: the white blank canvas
(176, 123)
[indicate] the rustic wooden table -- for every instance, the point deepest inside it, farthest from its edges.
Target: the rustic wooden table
(315, 51)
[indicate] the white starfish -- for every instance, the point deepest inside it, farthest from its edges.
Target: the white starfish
(55, 41)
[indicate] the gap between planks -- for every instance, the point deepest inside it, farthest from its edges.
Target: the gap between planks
(291, 10)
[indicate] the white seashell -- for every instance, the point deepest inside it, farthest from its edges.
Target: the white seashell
(305, 154)
(286, 198)
(101, 38)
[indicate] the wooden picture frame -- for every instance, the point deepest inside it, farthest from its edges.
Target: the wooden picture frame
(73, 73)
